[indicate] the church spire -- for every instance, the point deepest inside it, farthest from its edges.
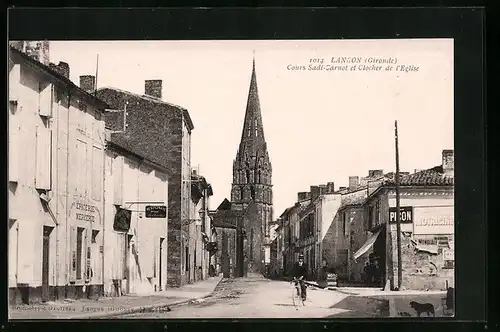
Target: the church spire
(252, 137)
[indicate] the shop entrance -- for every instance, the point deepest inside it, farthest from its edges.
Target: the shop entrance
(378, 259)
(45, 262)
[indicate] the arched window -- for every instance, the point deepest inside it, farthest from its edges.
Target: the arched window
(242, 193)
(259, 177)
(248, 176)
(252, 192)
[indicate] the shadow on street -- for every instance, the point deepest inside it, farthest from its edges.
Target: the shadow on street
(361, 306)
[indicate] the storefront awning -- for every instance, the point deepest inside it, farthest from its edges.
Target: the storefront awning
(368, 244)
(431, 249)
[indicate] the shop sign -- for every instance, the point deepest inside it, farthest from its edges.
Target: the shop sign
(84, 212)
(406, 213)
(156, 211)
(434, 220)
(267, 255)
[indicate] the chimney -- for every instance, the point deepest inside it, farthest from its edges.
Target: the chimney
(330, 187)
(62, 68)
(323, 189)
(448, 162)
(315, 192)
(353, 182)
(87, 83)
(302, 196)
(153, 88)
(38, 50)
(375, 173)
(18, 45)
(417, 170)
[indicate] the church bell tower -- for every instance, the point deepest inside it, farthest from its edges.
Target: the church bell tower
(252, 175)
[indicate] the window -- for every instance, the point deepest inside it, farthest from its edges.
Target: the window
(43, 158)
(187, 258)
(97, 173)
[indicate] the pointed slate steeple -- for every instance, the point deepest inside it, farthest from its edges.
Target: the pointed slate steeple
(251, 190)
(252, 136)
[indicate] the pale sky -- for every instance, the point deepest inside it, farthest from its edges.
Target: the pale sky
(320, 125)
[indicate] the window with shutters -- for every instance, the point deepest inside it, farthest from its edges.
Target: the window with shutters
(43, 158)
(97, 178)
(81, 168)
(45, 99)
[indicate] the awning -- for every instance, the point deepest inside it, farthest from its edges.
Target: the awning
(431, 249)
(368, 244)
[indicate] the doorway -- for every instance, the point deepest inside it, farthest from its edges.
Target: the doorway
(45, 262)
(160, 274)
(128, 266)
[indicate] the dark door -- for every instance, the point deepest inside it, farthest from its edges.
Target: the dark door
(128, 273)
(161, 263)
(45, 263)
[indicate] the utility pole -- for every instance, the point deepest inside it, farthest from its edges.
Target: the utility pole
(398, 211)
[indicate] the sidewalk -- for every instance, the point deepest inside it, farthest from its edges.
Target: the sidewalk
(115, 306)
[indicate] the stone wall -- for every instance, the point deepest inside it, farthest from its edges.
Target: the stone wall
(226, 255)
(421, 270)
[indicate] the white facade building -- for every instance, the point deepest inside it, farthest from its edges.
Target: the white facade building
(135, 246)
(56, 156)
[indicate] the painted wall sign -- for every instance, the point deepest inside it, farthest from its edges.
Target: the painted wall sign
(434, 220)
(156, 211)
(406, 213)
(85, 212)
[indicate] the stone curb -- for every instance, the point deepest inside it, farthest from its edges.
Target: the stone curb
(139, 309)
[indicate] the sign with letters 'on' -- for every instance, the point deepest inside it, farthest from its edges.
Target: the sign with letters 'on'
(406, 213)
(434, 220)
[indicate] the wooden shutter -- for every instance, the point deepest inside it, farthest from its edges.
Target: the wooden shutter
(43, 158)
(14, 81)
(118, 180)
(45, 99)
(96, 188)
(13, 154)
(72, 245)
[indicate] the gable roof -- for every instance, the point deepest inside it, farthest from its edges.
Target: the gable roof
(434, 176)
(156, 101)
(61, 79)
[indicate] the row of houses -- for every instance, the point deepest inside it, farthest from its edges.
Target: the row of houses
(353, 229)
(103, 199)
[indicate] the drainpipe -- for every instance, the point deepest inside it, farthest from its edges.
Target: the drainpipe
(58, 258)
(103, 217)
(68, 236)
(17, 252)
